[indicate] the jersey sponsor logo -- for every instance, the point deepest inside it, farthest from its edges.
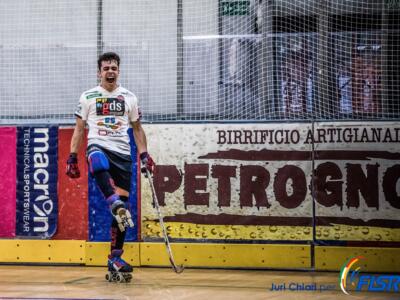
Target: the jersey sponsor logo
(110, 107)
(90, 96)
(110, 123)
(105, 132)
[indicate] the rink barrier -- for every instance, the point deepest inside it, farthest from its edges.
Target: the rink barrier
(331, 258)
(208, 255)
(97, 252)
(215, 255)
(42, 251)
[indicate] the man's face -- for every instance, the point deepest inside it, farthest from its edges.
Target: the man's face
(109, 73)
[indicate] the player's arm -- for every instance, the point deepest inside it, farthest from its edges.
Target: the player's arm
(77, 136)
(140, 136)
(141, 144)
(76, 141)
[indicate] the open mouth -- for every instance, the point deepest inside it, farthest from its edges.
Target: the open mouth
(110, 79)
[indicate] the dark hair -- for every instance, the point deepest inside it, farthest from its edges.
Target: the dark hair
(108, 56)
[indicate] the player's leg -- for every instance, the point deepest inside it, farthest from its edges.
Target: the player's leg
(99, 168)
(118, 269)
(118, 236)
(121, 173)
(115, 262)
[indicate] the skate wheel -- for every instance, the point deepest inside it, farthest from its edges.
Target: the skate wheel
(118, 278)
(128, 277)
(108, 278)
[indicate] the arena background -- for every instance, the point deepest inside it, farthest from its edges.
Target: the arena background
(274, 126)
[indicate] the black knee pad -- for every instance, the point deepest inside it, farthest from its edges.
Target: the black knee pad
(105, 183)
(124, 198)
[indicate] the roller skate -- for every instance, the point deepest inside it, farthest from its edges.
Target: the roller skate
(118, 269)
(120, 213)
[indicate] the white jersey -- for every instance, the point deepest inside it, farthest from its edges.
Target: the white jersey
(108, 115)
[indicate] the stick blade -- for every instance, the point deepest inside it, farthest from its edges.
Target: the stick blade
(178, 269)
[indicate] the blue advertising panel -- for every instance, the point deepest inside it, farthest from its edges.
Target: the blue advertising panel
(37, 205)
(100, 217)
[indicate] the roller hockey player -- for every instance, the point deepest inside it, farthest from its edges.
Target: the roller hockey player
(109, 110)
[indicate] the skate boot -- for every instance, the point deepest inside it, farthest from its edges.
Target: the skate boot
(118, 269)
(120, 213)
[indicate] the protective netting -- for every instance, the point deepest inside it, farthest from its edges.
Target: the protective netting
(204, 60)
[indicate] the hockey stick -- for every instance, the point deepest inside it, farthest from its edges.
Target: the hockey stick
(177, 269)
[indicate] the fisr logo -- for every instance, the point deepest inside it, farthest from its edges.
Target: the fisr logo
(373, 283)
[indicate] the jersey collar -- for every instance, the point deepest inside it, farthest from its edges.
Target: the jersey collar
(104, 91)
